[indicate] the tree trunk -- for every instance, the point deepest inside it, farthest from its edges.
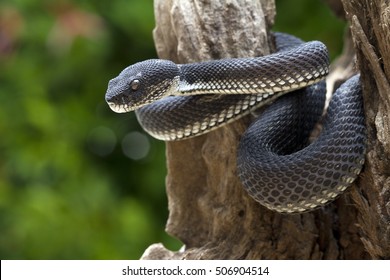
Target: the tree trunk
(370, 28)
(209, 210)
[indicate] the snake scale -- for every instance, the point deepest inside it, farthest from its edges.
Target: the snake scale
(276, 163)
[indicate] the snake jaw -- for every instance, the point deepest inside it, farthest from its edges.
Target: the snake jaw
(118, 108)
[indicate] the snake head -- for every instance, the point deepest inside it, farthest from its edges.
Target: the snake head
(141, 84)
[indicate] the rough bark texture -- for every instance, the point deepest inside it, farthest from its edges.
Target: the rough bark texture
(209, 210)
(370, 28)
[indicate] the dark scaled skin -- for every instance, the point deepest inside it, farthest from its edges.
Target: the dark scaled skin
(276, 164)
(286, 177)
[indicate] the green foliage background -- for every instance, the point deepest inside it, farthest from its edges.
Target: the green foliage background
(78, 181)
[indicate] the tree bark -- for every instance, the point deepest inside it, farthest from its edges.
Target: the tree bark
(209, 210)
(370, 28)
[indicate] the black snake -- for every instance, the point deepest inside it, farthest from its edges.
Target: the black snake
(276, 164)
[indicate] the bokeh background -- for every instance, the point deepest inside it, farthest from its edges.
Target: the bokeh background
(78, 181)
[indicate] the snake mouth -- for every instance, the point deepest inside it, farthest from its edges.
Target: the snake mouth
(122, 108)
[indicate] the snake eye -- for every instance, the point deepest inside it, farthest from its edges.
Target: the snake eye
(134, 85)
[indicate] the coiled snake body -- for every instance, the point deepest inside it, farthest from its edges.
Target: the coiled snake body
(276, 164)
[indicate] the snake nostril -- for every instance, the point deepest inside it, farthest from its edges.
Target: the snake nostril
(112, 99)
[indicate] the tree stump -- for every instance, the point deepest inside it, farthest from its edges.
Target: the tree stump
(209, 210)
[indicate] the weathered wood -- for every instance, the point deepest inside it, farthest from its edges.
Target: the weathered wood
(209, 210)
(370, 28)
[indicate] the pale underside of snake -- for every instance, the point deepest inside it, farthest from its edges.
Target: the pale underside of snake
(276, 163)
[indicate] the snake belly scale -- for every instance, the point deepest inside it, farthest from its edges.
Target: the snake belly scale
(276, 163)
